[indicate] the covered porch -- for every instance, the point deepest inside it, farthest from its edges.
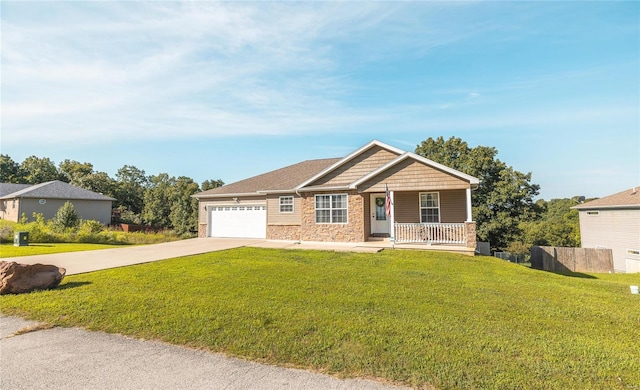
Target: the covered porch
(439, 218)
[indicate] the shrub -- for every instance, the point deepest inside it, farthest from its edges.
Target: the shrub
(7, 229)
(90, 226)
(39, 230)
(89, 232)
(66, 218)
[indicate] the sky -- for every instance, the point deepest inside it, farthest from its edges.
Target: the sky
(229, 90)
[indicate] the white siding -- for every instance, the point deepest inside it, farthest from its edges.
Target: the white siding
(618, 230)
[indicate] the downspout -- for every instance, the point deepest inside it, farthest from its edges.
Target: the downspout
(300, 233)
(20, 208)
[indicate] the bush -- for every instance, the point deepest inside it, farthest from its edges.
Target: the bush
(66, 218)
(89, 232)
(7, 230)
(90, 226)
(39, 230)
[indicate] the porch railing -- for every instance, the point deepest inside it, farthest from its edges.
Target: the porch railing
(430, 233)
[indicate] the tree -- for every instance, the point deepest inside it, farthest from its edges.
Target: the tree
(157, 200)
(99, 182)
(558, 225)
(131, 185)
(184, 208)
(9, 170)
(211, 184)
(74, 172)
(38, 170)
(504, 197)
(66, 217)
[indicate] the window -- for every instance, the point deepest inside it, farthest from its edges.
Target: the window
(430, 207)
(331, 208)
(286, 204)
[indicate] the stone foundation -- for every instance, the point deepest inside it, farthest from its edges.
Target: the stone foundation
(284, 232)
(202, 230)
(470, 229)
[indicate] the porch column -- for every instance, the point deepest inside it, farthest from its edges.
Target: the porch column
(469, 214)
(392, 218)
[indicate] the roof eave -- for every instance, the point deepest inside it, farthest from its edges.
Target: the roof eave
(12, 196)
(619, 207)
(268, 192)
(229, 195)
(321, 188)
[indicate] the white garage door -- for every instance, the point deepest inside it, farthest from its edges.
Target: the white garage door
(247, 221)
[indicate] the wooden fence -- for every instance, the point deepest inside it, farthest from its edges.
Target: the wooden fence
(559, 259)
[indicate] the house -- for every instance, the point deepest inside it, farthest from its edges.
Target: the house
(345, 200)
(47, 198)
(613, 222)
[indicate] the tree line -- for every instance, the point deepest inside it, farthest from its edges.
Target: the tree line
(160, 200)
(504, 206)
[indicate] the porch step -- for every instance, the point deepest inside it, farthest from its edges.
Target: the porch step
(378, 239)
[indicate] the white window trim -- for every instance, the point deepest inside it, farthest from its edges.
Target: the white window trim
(315, 209)
(420, 206)
(280, 204)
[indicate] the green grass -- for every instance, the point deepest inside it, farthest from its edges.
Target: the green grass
(417, 318)
(8, 250)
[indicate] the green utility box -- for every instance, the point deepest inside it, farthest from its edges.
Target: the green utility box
(21, 239)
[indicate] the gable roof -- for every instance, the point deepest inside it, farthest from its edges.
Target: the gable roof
(282, 179)
(350, 157)
(298, 177)
(408, 155)
(9, 188)
(628, 199)
(54, 190)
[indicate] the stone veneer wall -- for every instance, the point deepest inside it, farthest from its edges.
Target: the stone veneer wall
(283, 232)
(470, 229)
(202, 230)
(352, 231)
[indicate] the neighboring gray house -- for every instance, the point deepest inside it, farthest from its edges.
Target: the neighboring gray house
(614, 222)
(47, 198)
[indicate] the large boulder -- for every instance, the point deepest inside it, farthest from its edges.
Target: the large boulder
(18, 278)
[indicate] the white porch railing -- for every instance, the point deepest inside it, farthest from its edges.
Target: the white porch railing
(430, 233)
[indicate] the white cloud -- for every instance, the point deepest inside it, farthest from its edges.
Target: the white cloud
(201, 68)
(101, 71)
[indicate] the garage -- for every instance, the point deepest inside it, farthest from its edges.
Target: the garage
(246, 221)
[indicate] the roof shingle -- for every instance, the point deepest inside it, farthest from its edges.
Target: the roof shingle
(54, 190)
(286, 178)
(10, 188)
(626, 199)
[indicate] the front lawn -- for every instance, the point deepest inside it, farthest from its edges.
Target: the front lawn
(8, 250)
(417, 318)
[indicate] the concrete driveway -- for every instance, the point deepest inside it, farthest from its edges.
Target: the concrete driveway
(88, 261)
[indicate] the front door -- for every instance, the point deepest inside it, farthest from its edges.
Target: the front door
(379, 221)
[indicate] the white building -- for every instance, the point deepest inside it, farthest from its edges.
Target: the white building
(614, 222)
